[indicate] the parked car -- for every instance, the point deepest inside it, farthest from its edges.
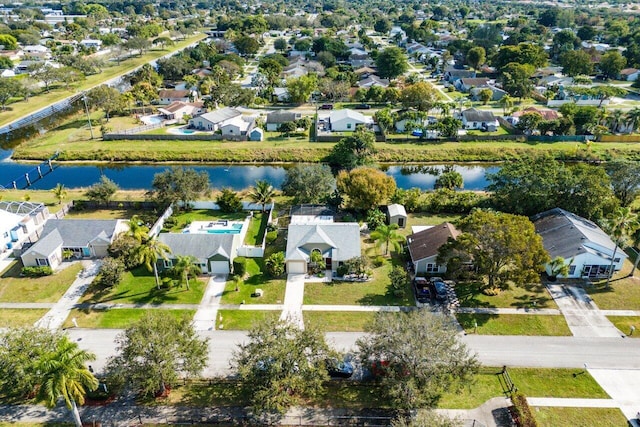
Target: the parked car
(421, 289)
(339, 369)
(440, 290)
(363, 107)
(326, 107)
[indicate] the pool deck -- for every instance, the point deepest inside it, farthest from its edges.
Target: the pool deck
(233, 227)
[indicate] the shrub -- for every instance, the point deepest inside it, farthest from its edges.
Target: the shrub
(522, 411)
(229, 201)
(275, 264)
(110, 272)
(40, 271)
(271, 236)
(375, 218)
(378, 261)
(240, 266)
(342, 270)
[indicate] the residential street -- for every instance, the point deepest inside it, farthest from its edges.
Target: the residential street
(544, 352)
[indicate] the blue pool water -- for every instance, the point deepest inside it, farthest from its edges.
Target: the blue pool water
(227, 231)
(185, 131)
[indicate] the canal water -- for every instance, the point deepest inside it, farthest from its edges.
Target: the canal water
(237, 177)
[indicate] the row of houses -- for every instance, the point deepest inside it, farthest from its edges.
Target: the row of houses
(581, 243)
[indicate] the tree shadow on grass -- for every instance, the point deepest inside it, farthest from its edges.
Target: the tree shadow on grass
(467, 293)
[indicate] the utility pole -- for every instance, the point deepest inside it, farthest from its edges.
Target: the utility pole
(86, 109)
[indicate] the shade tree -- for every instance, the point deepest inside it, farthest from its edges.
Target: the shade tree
(308, 183)
(365, 187)
(179, 184)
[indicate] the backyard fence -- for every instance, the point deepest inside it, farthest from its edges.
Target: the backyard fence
(157, 226)
(170, 137)
(135, 130)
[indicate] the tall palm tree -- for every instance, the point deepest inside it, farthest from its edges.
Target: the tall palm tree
(262, 193)
(386, 235)
(633, 119)
(186, 266)
(506, 102)
(149, 253)
(137, 229)
(63, 374)
(59, 192)
(621, 225)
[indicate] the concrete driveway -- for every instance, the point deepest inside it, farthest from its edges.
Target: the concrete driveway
(623, 385)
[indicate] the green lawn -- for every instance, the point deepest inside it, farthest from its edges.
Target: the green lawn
(14, 288)
(358, 395)
(16, 110)
(104, 213)
(624, 323)
(373, 292)
(184, 218)
(243, 320)
(257, 228)
(47, 197)
(623, 294)
(515, 297)
(339, 321)
(515, 324)
(138, 287)
(571, 417)
(304, 151)
(117, 318)
(20, 318)
(273, 288)
(534, 382)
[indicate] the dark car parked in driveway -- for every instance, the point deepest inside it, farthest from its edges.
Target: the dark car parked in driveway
(421, 289)
(439, 288)
(326, 107)
(363, 107)
(339, 368)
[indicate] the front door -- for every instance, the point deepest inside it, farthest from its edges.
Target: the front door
(327, 261)
(401, 222)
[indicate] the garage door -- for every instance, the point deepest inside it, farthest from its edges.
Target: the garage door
(219, 267)
(296, 267)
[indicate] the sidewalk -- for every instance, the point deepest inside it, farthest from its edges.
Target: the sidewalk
(492, 310)
(55, 318)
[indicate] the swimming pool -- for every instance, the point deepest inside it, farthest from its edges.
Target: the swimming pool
(218, 227)
(229, 231)
(185, 131)
(152, 120)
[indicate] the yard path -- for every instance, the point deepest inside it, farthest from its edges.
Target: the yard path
(55, 317)
(581, 313)
(205, 317)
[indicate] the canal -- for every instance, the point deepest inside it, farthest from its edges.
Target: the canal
(237, 177)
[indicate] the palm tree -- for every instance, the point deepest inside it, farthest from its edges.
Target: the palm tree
(63, 374)
(506, 102)
(262, 193)
(386, 235)
(623, 224)
(59, 192)
(633, 119)
(186, 266)
(616, 119)
(636, 242)
(148, 254)
(137, 229)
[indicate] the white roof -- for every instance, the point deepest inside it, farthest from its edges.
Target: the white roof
(337, 115)
(418, 228)
(8, 220)
(396, 209)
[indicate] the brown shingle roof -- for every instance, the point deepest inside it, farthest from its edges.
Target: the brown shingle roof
(172, 93)
(426, 243)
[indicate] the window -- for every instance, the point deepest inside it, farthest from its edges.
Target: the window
(616, 260)
(348, 125)
(432, 268)
(42, 261)
(167, 263)
(572, 270)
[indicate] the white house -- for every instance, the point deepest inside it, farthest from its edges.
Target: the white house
(91, 43)
(18, 220)
(167, 96)
(424, 245)
(337, 242)
(237, 126)
(479, 119)
(214, 252)
(584, 246)
(347, 120)
(178, 110)
(214, 120)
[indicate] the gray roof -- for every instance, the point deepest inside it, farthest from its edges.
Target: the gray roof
(566, 235)
(201, 246)
(342, 239)
(79, 232)
(311, 210)
(473, 115)
(46, 245)
(281, 117)
(220, 115)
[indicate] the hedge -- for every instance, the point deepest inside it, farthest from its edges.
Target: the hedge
(522, 411)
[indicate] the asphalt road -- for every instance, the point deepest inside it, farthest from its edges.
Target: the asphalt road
(547, 352)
